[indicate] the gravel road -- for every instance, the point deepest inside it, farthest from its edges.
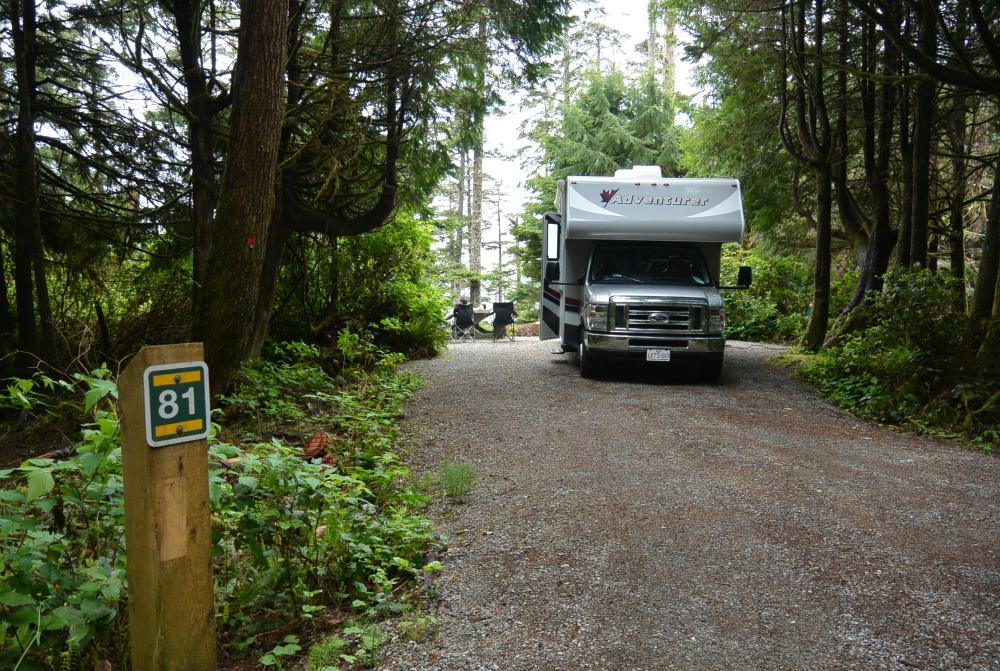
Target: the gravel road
(661, 523)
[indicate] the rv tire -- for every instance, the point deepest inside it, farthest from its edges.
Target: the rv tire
(589, 366)
(710, 369)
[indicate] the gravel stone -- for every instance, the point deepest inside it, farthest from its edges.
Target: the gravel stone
(649, 521)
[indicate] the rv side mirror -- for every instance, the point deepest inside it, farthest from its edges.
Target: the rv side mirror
(744, 278)
(551, 271)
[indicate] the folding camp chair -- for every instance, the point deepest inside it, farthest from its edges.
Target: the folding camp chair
(464, 328)
(503, 321)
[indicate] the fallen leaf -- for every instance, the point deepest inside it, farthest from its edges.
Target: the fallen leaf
(316, 444)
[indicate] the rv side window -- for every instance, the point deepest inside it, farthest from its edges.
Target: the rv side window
(552, 241)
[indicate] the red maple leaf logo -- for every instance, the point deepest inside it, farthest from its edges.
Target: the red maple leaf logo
(606, 196)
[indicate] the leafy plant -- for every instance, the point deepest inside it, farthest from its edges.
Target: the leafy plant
(371, 638)
(289, 647)
(419, 628)
(292, 534)
(61, 524)
(270, 387)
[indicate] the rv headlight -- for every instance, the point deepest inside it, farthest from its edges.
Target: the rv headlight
(595, 316)
(716, 320)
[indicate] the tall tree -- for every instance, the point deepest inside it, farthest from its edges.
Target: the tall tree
(977, 69)
(30, 281)
(478, 139)
(809, 138)
(200, 108)
(871, 228)
(461, 214)
(923, 123)
(247, 194)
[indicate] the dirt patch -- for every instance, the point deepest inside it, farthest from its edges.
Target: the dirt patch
(654, 522)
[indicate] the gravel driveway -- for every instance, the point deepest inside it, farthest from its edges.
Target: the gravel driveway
(661, 523)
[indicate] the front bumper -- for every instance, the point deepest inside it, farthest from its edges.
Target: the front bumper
(626, 344)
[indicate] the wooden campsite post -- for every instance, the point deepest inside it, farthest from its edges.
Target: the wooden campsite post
(165, 416)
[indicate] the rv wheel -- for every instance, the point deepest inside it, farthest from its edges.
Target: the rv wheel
(711, 368)
(589, 366)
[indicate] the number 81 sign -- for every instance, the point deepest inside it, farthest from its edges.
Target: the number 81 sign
(176, 402)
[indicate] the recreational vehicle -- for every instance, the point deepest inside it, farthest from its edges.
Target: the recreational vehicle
(630, 268)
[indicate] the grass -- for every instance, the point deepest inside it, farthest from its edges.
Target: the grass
(456, 478)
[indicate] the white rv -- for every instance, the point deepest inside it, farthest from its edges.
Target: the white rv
(630, 268)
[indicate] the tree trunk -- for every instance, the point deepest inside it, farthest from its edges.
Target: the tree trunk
(567, 62)
(201, 142)
(883, 237)
(959, 135)
(651, 41)
(247, 194)
(906, 160)
(332, 319)
(923, 127)
(38, 264)
(278, 235)
(991, 341)
(853, 221)
(29, 256)
(463, 167)
(669, 65)
(996, 306)
(986, 280)
(476, 223)
(960, 185)
(103, 333)
(818, 322)
(476, 212)
(281, 229)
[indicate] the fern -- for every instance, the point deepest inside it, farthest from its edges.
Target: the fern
(387, 608)
(262, 584)
(69, 660)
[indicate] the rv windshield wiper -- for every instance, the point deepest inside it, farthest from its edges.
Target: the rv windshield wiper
(631, 280)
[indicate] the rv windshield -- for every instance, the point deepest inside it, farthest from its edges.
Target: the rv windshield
(649, 263)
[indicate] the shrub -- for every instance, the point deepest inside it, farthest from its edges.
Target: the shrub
(776, 306)
(911, 364)
(61, 527)
(268, 389)
(391, 296)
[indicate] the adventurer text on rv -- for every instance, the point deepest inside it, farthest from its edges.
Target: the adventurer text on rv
(630, 268)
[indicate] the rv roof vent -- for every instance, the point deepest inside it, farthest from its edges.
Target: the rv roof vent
(640, 171)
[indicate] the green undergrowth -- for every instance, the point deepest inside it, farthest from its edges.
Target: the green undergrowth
(316, 529)
(776, 306)
(914, 363)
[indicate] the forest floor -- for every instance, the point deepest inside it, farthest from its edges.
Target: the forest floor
(645, 522)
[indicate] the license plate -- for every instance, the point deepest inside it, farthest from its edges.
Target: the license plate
(657, 355)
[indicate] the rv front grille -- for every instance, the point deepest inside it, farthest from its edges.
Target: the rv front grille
(657, 342)
(672, 318)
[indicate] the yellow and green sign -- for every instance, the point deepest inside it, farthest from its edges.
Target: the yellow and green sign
(176, 402)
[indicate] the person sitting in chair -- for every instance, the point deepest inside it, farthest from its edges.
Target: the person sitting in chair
(463, 301)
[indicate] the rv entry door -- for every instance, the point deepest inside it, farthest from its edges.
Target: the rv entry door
(550, 302)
